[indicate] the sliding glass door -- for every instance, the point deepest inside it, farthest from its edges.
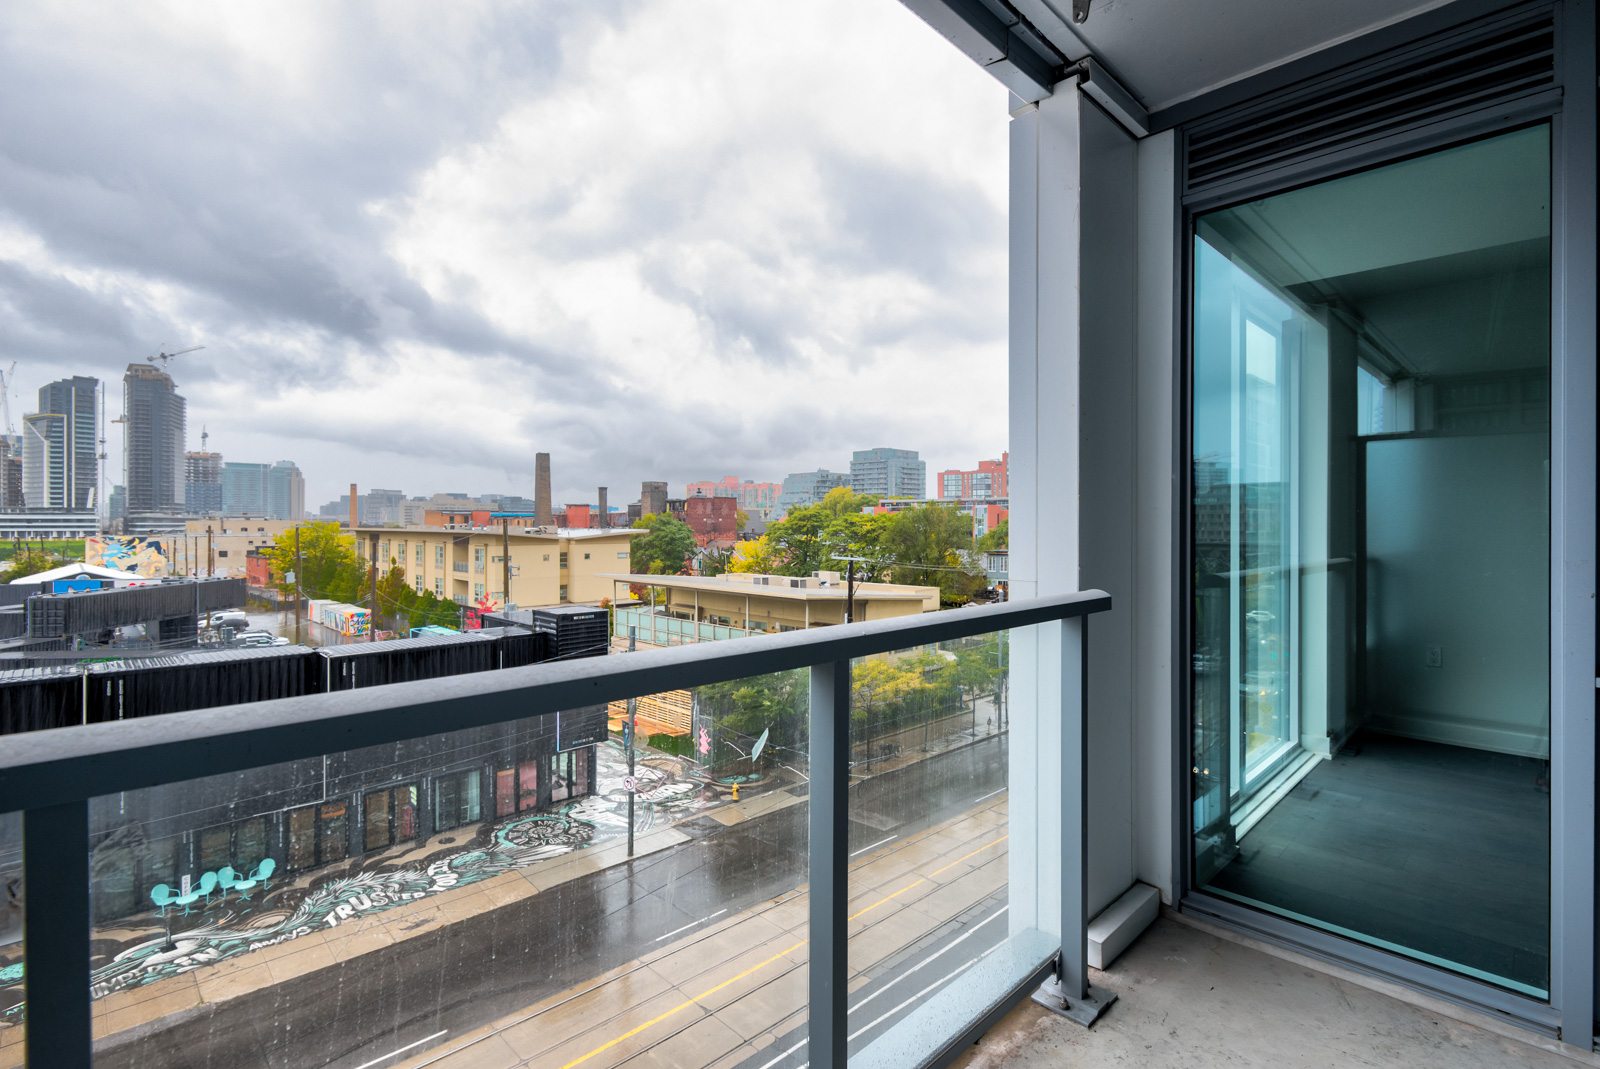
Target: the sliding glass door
(1370, 532)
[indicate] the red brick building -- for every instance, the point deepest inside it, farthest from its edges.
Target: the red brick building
(987, 480)
(712, 519)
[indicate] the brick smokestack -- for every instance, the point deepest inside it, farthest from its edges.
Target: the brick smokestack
(605, 516)
(541, 490)
(355, 511)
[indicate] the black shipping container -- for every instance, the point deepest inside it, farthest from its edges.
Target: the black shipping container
(402, 660)
(201, 679)
(519, 646)
(13, 622)
(34, 699)
(83, 612)
(576, 630)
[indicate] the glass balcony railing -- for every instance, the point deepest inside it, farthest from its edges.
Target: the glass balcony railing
(776, 851)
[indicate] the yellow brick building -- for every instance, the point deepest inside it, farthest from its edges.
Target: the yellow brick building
(556, 567)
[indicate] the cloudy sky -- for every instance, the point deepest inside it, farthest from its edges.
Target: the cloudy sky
(658, 239)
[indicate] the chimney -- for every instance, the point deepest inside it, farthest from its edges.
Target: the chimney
(541, 490)
(355, 515)
(605, 517)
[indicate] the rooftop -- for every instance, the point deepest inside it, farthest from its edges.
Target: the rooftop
(779, 586)
(546, 533)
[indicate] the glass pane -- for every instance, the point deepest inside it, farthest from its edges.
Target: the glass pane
(505, 792)
(13, 1018)
(928, 816)
(1371, 469)
(377, 819)
(546, 934)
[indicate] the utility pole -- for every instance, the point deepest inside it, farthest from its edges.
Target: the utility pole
(372, 625)
(633, 726)
(505, 561)
(211, 567)
(297, 584)
(850, 586)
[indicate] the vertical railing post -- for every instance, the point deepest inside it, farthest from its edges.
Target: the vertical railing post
(829, 856)
(1069, 992)
(55, 935)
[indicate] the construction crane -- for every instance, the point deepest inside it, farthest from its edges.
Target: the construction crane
(164, 356)
(5, 398)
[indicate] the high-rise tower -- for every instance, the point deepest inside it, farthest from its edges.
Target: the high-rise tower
(153, 453)
(60, 466)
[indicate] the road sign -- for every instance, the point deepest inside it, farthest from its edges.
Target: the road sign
(630, 784)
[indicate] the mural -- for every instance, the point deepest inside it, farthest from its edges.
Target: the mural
(128, 553)
(670, 789)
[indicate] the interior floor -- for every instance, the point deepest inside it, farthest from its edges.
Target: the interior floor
(1438, 849)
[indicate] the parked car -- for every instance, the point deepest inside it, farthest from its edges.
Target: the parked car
(234, 618)
(258, 638)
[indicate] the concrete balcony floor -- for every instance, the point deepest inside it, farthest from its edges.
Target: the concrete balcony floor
(1193, 999)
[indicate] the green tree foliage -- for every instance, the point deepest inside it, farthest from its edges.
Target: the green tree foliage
(30, 561)
(888, 694)
(330, 567)
(665, 550)
(996, 538)
(932, 546)
(717, 561)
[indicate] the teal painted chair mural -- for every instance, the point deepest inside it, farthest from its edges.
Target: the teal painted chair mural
(163, 896)
(263, 873)
(207, 884)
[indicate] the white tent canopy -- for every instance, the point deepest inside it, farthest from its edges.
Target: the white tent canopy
(79, 571)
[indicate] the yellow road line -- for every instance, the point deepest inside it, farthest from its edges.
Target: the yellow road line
(925, 879)
(733, 980)
(684, 1005)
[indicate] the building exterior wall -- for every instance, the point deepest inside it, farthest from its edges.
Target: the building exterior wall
(753, 497)
(244, 489)
(71, 474)
(987, 480)
(808, 487)
(153, 455)
(202, 480)
(884, 472)
(548, 569)
(231, 540)
(712, 519)
(286, 491)
(652, 498)
(44, 460)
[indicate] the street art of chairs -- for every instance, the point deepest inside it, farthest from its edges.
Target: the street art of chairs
(263, 873)
(162, 896)
(207, 884)
(229, 880)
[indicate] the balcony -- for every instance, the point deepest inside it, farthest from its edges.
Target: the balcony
(392, 844)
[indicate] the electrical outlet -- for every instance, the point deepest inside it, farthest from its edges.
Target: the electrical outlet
(1435, 658)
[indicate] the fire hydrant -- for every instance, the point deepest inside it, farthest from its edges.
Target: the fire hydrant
(735, 792)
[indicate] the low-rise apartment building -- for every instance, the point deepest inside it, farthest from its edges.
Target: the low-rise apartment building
(559, 566)
(220, 545)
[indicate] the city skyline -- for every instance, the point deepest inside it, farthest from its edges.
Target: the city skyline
(469, 256)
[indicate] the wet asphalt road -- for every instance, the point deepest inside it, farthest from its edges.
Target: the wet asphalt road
(452, 980)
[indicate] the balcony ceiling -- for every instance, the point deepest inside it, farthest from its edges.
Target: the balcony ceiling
(1163, 51)
(1166, 51)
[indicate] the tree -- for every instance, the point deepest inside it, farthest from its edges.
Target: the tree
(716, 561)
(796, 540)
(842, 500)
(329, 565)
(30, 562)
(757, 555)
(931, 546)
(665, 550)
(996, 538)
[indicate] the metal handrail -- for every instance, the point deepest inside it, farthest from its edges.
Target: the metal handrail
(51, 775)
(41, 768)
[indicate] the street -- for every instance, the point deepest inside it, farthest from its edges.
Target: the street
(480, 968)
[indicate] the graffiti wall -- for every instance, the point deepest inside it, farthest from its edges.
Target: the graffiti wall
(128, 553)
(669, 789)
